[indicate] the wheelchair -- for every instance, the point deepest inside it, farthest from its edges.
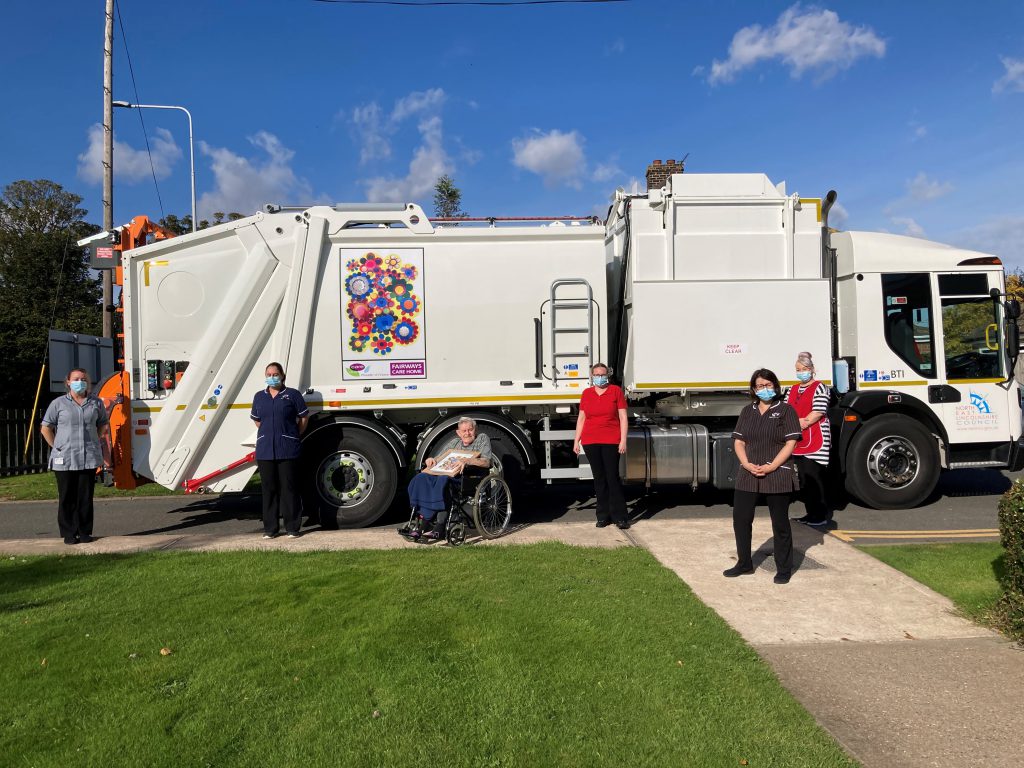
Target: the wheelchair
(478, 500)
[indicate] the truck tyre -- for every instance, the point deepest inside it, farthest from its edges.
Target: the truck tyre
(893, 463)
(351, 478)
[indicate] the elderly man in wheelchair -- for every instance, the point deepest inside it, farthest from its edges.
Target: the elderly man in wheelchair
(474, 496)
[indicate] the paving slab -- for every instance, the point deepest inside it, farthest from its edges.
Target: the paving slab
(573, 533)
(912, 704)
(837, 594)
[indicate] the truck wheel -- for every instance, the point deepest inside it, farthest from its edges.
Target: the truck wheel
(351, 478)
(893, 463)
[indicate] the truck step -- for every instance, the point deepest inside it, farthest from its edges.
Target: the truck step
(567, 473)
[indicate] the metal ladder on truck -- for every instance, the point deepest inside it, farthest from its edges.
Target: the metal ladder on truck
(571, 342)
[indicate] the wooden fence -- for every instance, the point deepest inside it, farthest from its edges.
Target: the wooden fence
(15, 425)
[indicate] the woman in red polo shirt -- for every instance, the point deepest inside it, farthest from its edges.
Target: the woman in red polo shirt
(601, 433)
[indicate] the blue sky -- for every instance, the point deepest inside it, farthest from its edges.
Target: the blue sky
(912, 111)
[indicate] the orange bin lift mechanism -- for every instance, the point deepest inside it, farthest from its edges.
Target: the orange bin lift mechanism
(116, 396)
(116, 391)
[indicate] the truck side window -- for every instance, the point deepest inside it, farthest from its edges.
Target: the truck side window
(970, 328)
(906, 302)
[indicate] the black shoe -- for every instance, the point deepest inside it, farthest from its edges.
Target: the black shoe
(803, 519)
(625, 524)
(738, 570)
(816, 523)
(85, 539)
(603, 523)
(782, 578)
(269, 535)
(69, 540)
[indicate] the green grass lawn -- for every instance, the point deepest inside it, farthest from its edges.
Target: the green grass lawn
(968, 573)
(543, 655)
(42, 487)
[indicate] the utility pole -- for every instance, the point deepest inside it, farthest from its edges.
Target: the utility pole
(108, 160)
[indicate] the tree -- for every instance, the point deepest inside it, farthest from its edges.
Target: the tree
(45, 280)
(183, 225)
(448, 199)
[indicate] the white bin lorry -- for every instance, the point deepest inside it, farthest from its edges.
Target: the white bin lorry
(394, 326)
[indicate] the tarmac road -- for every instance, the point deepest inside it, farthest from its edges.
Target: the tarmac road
(963, 509)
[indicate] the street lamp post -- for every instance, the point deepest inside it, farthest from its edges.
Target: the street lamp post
(191, 149)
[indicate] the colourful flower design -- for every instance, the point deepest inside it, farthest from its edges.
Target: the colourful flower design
(359, 310)
(371, 262)
(381, 303)
(406, 331)
(358, 285)
(387, 278)
(408, 305)
(384, 322)
(400, 288)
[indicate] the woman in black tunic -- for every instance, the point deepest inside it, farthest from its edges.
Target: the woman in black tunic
(764, 438)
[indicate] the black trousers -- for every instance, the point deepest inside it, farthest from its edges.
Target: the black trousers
(74, 502)
(279, 479)
(743, 505)
(604, 463)
(813, 488)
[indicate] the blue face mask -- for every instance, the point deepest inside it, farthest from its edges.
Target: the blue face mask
(804, 376)
(273, 381)
(600, 381)
(79, 387)
(766, 394)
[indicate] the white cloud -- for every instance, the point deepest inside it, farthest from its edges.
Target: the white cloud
(918, 131)
(555, 156)
(1013, 79)
(607, 171)
(922, 188)
(429, 162)
(244, 184)
(130, 165)
(1001, 235)
(373, 130)
(910, 227)
(615, 47)
(813, 40)
(837, 215)
(418, 102)
(369, 128)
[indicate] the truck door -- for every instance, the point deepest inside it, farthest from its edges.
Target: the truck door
(975, 402)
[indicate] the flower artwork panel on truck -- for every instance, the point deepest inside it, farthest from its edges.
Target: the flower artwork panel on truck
(383, 335)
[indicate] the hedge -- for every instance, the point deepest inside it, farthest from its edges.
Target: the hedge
(1011, 532)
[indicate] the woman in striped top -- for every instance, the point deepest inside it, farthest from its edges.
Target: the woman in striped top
(810, 401)
(765, 435)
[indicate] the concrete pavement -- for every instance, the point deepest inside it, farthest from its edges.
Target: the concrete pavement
(883, 663)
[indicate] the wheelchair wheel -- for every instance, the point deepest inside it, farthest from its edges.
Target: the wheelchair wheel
(456, 534)
(492, 507)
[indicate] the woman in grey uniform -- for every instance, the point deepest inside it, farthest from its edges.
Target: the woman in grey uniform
(764, 438)
(75, 427)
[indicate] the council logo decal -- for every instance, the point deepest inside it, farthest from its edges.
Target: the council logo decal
(976, 413)
(980, 402)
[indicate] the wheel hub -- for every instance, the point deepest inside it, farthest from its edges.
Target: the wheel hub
(893, 462)
(344, 478)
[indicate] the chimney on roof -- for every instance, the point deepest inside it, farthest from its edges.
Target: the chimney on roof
(658, 173)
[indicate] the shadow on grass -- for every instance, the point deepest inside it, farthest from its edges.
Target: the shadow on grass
(24, 579)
